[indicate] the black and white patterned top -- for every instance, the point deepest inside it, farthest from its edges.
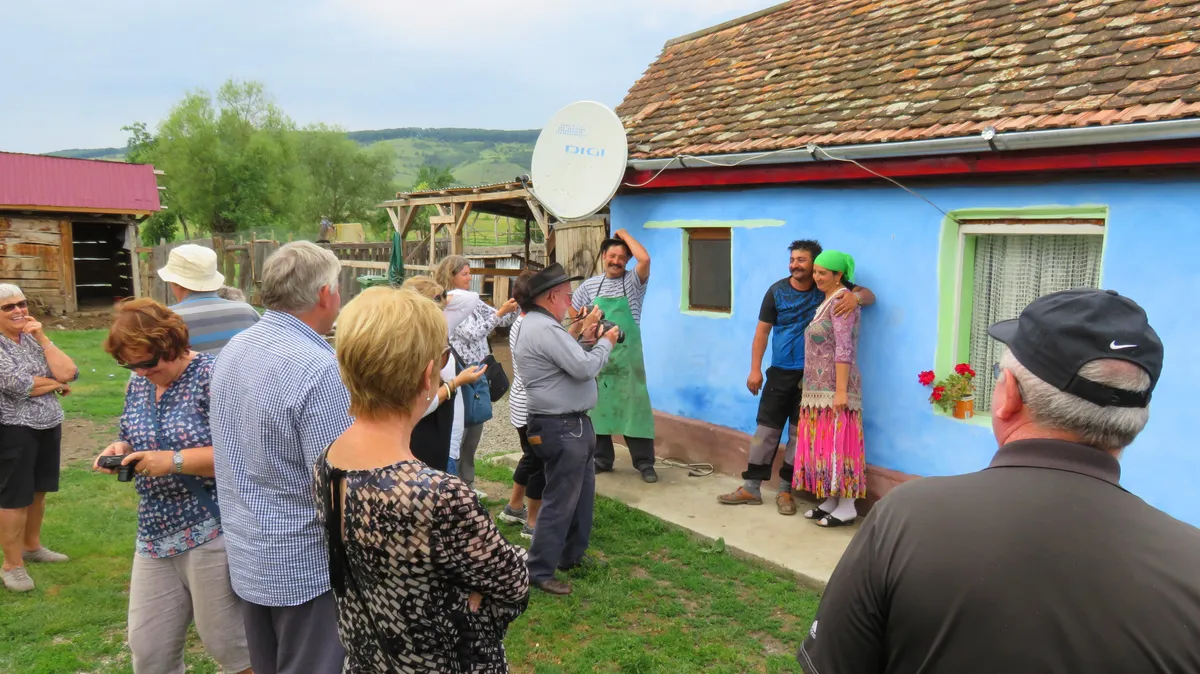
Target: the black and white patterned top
(629, 286)
(20, 362)
(517, 413)
(407, 546)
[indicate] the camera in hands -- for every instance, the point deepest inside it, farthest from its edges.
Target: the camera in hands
(605, 325)
(124, 473)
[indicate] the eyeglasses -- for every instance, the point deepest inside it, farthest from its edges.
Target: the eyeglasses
(440, 297)
(153, 362)
(445, 358)
(8, 308)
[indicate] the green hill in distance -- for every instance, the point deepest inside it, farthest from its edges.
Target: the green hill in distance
(475, 156)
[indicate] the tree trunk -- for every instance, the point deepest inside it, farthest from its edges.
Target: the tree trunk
(183, 221)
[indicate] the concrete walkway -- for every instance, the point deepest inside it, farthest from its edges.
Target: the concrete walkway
(791, 543)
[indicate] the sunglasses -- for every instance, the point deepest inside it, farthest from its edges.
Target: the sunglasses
(8, 308)
(445, 358)
(440, 297)
(141, 366)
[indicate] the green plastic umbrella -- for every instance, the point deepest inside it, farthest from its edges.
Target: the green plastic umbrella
(396, 265)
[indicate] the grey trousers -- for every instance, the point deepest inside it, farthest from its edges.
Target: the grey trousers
(466, 453)
(166, 594)
(295, 639)
(567, 445)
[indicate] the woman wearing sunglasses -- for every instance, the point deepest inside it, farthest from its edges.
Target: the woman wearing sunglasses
(179, 567)
(33, 372)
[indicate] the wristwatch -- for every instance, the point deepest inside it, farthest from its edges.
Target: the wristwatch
(177, 461)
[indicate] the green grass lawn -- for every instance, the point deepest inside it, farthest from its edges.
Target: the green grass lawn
(665, 602)
(99, 395)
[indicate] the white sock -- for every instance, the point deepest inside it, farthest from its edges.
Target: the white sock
(830, 504)
(845, 510)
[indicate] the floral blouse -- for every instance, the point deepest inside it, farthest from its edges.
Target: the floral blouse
(828, 341)
(470, 338)
(20, 362)
(171, 520)
(407, 546)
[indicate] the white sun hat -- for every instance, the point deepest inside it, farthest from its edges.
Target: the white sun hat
(193, 267)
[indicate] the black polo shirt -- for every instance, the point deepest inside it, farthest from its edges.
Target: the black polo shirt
(1040, 563)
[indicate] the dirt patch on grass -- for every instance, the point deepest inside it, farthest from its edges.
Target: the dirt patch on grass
(91, 320)
(82, 440)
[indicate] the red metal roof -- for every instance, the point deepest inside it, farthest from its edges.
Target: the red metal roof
(38, 182)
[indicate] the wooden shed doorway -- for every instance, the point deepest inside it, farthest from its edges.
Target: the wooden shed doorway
(103, 264)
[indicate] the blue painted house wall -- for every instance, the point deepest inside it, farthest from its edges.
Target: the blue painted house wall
(697, 365)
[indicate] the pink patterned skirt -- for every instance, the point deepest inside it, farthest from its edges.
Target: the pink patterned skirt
(830, 455)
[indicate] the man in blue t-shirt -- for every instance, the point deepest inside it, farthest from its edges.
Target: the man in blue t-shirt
(786, 311)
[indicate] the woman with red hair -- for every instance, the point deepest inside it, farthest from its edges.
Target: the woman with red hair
(179, 568)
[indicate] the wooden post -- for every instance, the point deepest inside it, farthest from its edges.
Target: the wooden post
(135, 271)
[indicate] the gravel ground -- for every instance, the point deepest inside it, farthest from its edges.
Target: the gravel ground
(499, 436)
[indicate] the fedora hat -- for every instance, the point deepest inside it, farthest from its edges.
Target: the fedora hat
(193, 267)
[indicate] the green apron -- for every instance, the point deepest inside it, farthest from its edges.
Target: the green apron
(623, 407)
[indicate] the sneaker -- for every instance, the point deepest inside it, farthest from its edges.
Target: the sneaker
(649, 476)
(553, 586)
(17, 579)
(527, 532)
(603, 469)
(45, 555)
(740, 496)
(482, 496)
(513, 516)
(785, 504)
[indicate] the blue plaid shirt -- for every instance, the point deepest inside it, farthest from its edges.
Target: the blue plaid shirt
(277, 402)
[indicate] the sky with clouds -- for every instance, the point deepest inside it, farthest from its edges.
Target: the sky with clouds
(88, 68)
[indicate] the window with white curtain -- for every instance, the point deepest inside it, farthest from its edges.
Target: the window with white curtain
(1009, 270)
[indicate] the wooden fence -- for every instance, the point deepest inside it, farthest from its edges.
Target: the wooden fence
(241, 261)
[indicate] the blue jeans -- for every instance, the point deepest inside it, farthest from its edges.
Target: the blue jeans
(567, 445)
(452, 467)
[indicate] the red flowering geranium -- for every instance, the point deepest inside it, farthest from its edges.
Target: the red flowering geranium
(952, 388)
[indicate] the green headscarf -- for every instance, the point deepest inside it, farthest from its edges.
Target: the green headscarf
(836, 260)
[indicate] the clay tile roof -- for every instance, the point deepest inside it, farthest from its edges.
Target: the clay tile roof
(866, 71)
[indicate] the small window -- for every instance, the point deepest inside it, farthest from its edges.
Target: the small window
(709, 270)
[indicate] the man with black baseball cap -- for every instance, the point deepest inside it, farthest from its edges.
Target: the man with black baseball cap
(559, 376)
(1041, 562)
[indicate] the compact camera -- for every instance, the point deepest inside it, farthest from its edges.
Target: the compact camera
(124, 473)
(605, 326)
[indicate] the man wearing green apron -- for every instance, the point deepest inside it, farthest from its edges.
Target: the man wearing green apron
(624, 403)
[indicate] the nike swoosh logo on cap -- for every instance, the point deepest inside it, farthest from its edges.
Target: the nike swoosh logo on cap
(1116, 347)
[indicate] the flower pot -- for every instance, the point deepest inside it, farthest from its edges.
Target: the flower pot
(964, 408)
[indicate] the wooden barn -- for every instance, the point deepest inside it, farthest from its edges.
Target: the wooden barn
(68, 229)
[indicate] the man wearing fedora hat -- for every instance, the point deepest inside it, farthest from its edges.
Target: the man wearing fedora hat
(191, 273)
(560, 387)
(1042, 562)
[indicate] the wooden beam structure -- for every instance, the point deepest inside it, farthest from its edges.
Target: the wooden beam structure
(451, 208)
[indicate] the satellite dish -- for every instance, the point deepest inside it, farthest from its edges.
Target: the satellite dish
(579, 160)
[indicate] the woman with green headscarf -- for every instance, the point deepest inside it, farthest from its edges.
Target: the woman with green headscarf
(830, 458)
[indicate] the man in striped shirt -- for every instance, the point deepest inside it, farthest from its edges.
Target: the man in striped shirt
(191, 273)
(277, 403)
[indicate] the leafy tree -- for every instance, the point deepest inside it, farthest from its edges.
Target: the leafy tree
(140, 149)
(344, 180)
(429, 177)
(232, 161)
